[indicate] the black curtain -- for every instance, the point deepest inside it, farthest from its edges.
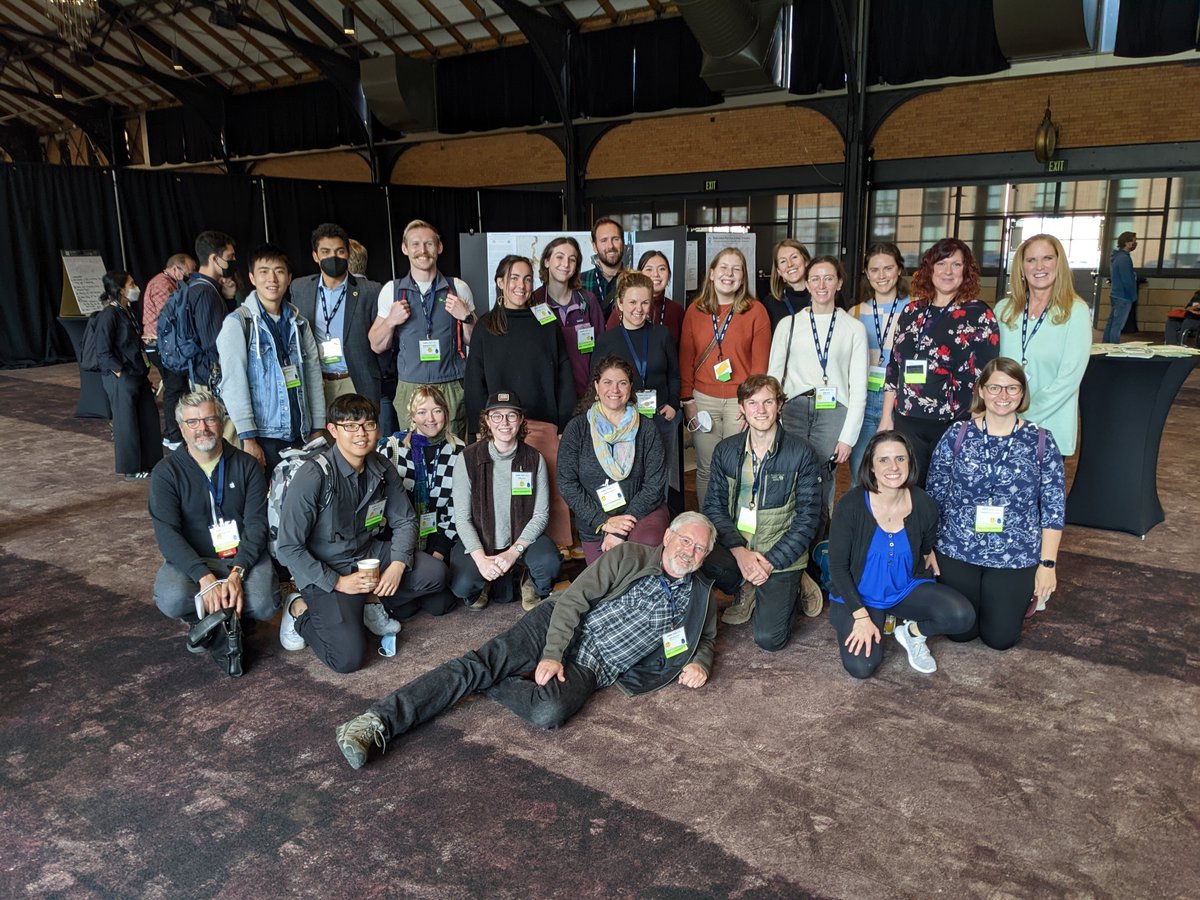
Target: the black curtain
(1156, 27)
(497, 89)
(450, 210)
(44, 210)
(518, 210)
(177, 135)
(302, 117)
(162, 212)
(911, 41)
(295, 208)
(817, 60)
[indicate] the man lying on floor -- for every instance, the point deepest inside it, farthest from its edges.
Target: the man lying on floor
(638, 617)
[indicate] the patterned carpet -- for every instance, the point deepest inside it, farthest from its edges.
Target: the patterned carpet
(1067, 766)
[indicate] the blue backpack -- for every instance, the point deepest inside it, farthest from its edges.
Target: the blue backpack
(178, 345)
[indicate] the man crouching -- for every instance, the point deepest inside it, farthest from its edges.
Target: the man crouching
(638, 617)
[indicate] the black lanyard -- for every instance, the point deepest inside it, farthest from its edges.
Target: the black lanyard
(670, 597)
(329, 317)
(640, 364)
(756, 470)
(887, 329)
(926, 325)
(1002, 458)
(217, 494)
(662, 310)
(822, 355)
(720, 332)
(1026, 341)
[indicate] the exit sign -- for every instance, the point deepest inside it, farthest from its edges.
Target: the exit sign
(710, 184)
(1056, 165)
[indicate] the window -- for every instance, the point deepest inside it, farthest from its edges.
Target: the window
(1181, 249)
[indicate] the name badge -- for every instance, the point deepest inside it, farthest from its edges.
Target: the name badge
(647, 403)
(826, 398)
(675, 642)
(611, 496)
(747, 522)
(428, 523)
(331, 351)
(723, 370)
(375, 514)
(431, 351)
(522, 484)
(585, 338)
(544, 314)
(875, 376)
(915, 370)
(291, 377)
(989, 519)
(225, 538)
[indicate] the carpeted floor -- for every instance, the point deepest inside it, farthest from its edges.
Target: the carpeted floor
(1068, 766)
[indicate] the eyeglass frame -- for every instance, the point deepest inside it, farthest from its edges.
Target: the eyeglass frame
(358, 426)
(994, 390)
(210, 421)
(500, 417)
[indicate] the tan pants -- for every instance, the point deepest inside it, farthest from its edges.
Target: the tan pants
(456, 406)
(725, 424)
(335, 389)
(543, 437)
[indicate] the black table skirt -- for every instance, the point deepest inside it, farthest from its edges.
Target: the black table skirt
(93, 402)
(1123, 406)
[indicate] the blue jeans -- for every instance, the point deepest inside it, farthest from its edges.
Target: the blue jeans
(871, 417)
(1116, 321)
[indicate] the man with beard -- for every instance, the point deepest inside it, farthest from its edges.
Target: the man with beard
(341, 308)
(639, 617)
(424, 325)
(209, 508)
(608, 242)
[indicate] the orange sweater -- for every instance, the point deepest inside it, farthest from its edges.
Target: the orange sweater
(747, 345)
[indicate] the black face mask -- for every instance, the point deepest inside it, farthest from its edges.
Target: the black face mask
(230, 267)
(334, 266)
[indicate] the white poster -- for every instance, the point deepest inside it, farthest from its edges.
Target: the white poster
(693, 266)
(747, 243)
(83, 282)
(530, 245)
(666, 248)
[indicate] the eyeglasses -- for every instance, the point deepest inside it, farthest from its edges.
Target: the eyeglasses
(688, 544)
(499, 418)
(994, 389)
(210, 421)
(356, 427)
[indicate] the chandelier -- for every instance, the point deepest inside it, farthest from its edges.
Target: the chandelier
(75, 20)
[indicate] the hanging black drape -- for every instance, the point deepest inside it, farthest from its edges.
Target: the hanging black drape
(817, 60)
(162, 213)
(1156, 27)
(515, 210)
(911, 40)
(44, 210)
(178, 135)
(295, 208)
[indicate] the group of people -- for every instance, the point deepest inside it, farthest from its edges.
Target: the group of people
(450, 456)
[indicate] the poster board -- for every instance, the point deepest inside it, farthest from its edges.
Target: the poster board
(83, 282)
(671, 243)
(528, 244)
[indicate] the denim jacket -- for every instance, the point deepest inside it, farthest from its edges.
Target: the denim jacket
(253, 387)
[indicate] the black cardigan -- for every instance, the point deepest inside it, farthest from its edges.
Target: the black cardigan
(662, 367)
(853, 528)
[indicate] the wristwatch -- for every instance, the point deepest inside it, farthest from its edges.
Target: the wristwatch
(239, 571)
(520, 548)
(1049, 563)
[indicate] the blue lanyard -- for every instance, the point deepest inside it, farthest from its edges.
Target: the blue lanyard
(1026, 341)
(329, 317)
(279, 331)
(926, 325)
(670, 597)
(427, 313)
(788, 303)
(822, 355)
(887, 329)
(720, 332)
(217, 494)
(640, 364)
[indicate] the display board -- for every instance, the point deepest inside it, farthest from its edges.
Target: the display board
(83, 282)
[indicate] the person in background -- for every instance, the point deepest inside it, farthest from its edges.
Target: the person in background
(999, 483)
(356, 262)
(882, 564)
(611, 466)
(137, 440)
(1123, 293)
(663, 310)
(943, 338)
(789, 281)
(608, 247)
(576, 309)
(178, 269)
(1048, 327)
(726, 339)
(210, 291)
(886, 289)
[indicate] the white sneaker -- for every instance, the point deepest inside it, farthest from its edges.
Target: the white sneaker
(377, 620)
(288, 636)
(919, 656)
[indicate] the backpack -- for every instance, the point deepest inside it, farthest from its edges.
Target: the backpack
(290, 462)
(178, 345)
(89, 353)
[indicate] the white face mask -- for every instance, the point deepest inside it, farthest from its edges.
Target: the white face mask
(132, 294)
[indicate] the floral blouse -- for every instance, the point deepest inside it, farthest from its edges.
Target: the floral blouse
(997, 471)
(956, 342)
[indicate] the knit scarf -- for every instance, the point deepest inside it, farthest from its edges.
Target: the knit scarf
(419, 442)
(614, 444)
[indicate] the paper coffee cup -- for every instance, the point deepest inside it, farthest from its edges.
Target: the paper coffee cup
(369, 567)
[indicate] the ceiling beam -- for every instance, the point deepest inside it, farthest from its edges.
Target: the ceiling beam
(96, 120)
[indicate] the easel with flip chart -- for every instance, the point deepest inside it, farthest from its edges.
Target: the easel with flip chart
(83, 282)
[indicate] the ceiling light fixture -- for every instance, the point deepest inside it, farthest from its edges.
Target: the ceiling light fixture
(75, 20)
(348, 21)
(56, 89)
(176, 60)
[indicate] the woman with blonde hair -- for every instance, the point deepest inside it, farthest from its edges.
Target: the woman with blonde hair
(1047, 327)
(726, 338)
(789, 281)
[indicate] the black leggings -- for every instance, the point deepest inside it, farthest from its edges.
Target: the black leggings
(923, 434)
(999, 596)
(935, 608)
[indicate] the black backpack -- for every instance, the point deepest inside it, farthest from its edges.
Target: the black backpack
(178, 345)
(89, 354)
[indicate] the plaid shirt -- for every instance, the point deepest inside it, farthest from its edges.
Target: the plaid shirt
(623, 630)
(593, 280)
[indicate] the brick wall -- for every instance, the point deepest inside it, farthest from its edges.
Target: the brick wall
(762, 137)
(500, 159)
(1099, 108)
(334, 166)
